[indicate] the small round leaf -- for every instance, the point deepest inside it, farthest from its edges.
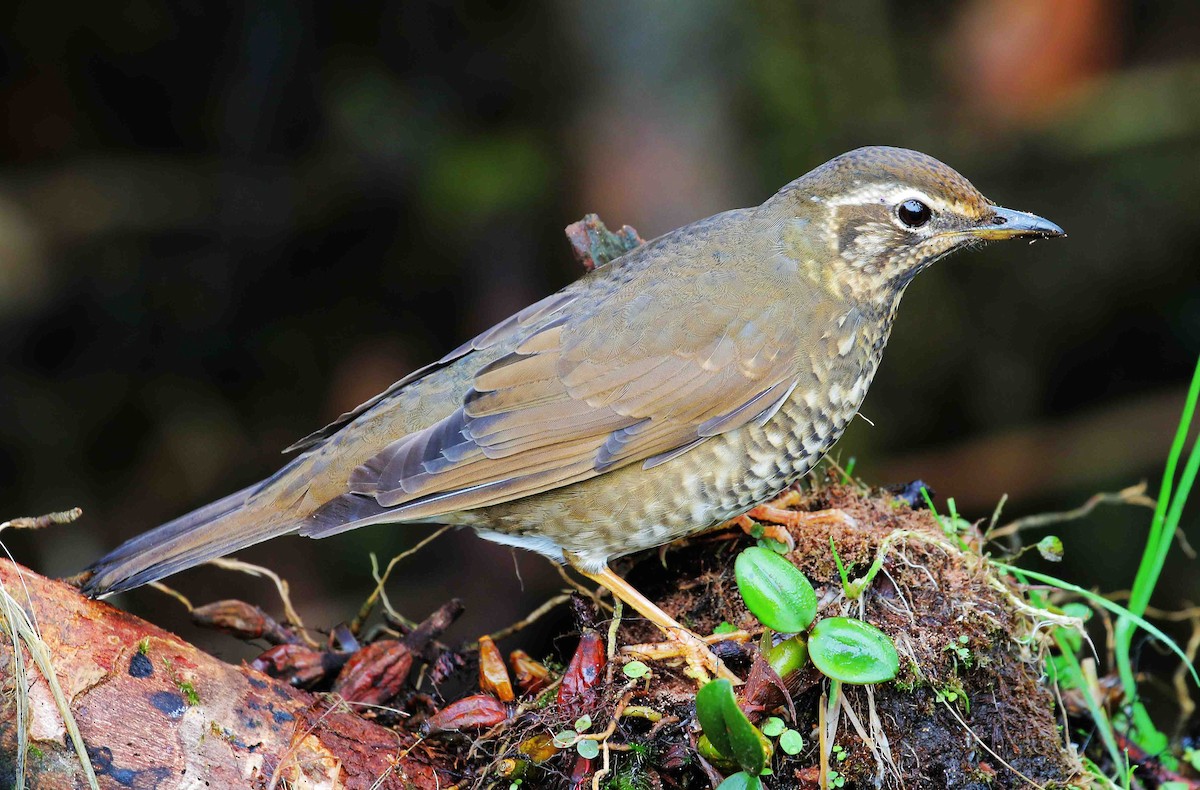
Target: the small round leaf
(587, 748)
(1051, 548)
(773, 726)
(635, 669)
(791, 742)
(774, 590)
(852, 651)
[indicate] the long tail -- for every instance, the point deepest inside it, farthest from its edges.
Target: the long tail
(217, 529)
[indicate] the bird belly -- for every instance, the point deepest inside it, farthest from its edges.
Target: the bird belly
(631, 509)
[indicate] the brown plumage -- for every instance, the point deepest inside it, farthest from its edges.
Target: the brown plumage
(658, 395)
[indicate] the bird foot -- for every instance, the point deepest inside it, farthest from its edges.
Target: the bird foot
(775, 521)
(681, 643)
(695, 651)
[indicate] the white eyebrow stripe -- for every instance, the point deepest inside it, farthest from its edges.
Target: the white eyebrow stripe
(886, 193)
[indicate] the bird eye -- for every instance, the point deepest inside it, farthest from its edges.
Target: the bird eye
(914, 213)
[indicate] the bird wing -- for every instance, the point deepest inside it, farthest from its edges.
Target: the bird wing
(615, 380)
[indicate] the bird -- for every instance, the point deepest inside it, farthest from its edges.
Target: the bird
(661, 394)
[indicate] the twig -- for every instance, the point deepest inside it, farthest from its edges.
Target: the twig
(1133, 495)
(40, 522)
(368, 606)
(1187, 706)
(532, 617)
(613, 626)
(171, 591)
(592, 595)
(987, 748)
(290, 615)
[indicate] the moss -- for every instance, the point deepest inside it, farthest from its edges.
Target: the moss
(188, 690)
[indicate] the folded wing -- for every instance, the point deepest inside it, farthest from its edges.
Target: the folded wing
(592, 390)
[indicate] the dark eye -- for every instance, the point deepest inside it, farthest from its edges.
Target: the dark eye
(913, 213)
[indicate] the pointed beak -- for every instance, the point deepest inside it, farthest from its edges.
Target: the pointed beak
(1006, 223)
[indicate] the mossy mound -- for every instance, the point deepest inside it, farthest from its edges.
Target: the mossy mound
(969, 708)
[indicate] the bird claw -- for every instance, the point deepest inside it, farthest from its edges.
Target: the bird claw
(701, 661)
(775, 520)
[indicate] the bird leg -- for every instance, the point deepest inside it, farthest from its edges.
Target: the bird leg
(683, 643)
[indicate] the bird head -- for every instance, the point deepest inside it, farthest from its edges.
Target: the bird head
(887, 213)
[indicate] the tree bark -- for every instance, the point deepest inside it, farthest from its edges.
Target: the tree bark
(156, 712)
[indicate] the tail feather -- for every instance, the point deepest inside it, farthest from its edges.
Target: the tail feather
(217, 529)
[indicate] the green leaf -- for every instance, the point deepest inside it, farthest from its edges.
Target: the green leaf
(750, 747)
(791, 742)
(777, 546)
(788, 657)
(774, 590)
(741, 781)
(725, 627)
(709, 752)
(1104, 603)
(1077, 609)
(773, 727)
(587, 748)
(635, 669)
(710, 710)
(583, 723)
(1051, 548)
(852, 651)
(837, 560)
(728, 729)
(564, 739)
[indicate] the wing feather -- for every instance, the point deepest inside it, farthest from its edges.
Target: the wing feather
(577, 398)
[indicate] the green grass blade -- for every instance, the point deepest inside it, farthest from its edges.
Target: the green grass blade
(1103, 602)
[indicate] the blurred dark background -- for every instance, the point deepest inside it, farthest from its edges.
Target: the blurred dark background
(223, 224)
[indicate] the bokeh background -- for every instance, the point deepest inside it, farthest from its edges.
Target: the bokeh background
(223, 224)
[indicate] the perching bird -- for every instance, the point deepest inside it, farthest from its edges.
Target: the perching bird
(661, 394)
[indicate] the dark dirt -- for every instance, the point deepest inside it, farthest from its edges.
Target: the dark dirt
(968, 709)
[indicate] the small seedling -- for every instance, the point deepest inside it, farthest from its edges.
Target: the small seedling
(847, 585)
(961, 652)
(635, 670)
(773, 727)
(779, 547)
(791, 741)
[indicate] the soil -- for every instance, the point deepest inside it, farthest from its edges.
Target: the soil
(969, 708)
